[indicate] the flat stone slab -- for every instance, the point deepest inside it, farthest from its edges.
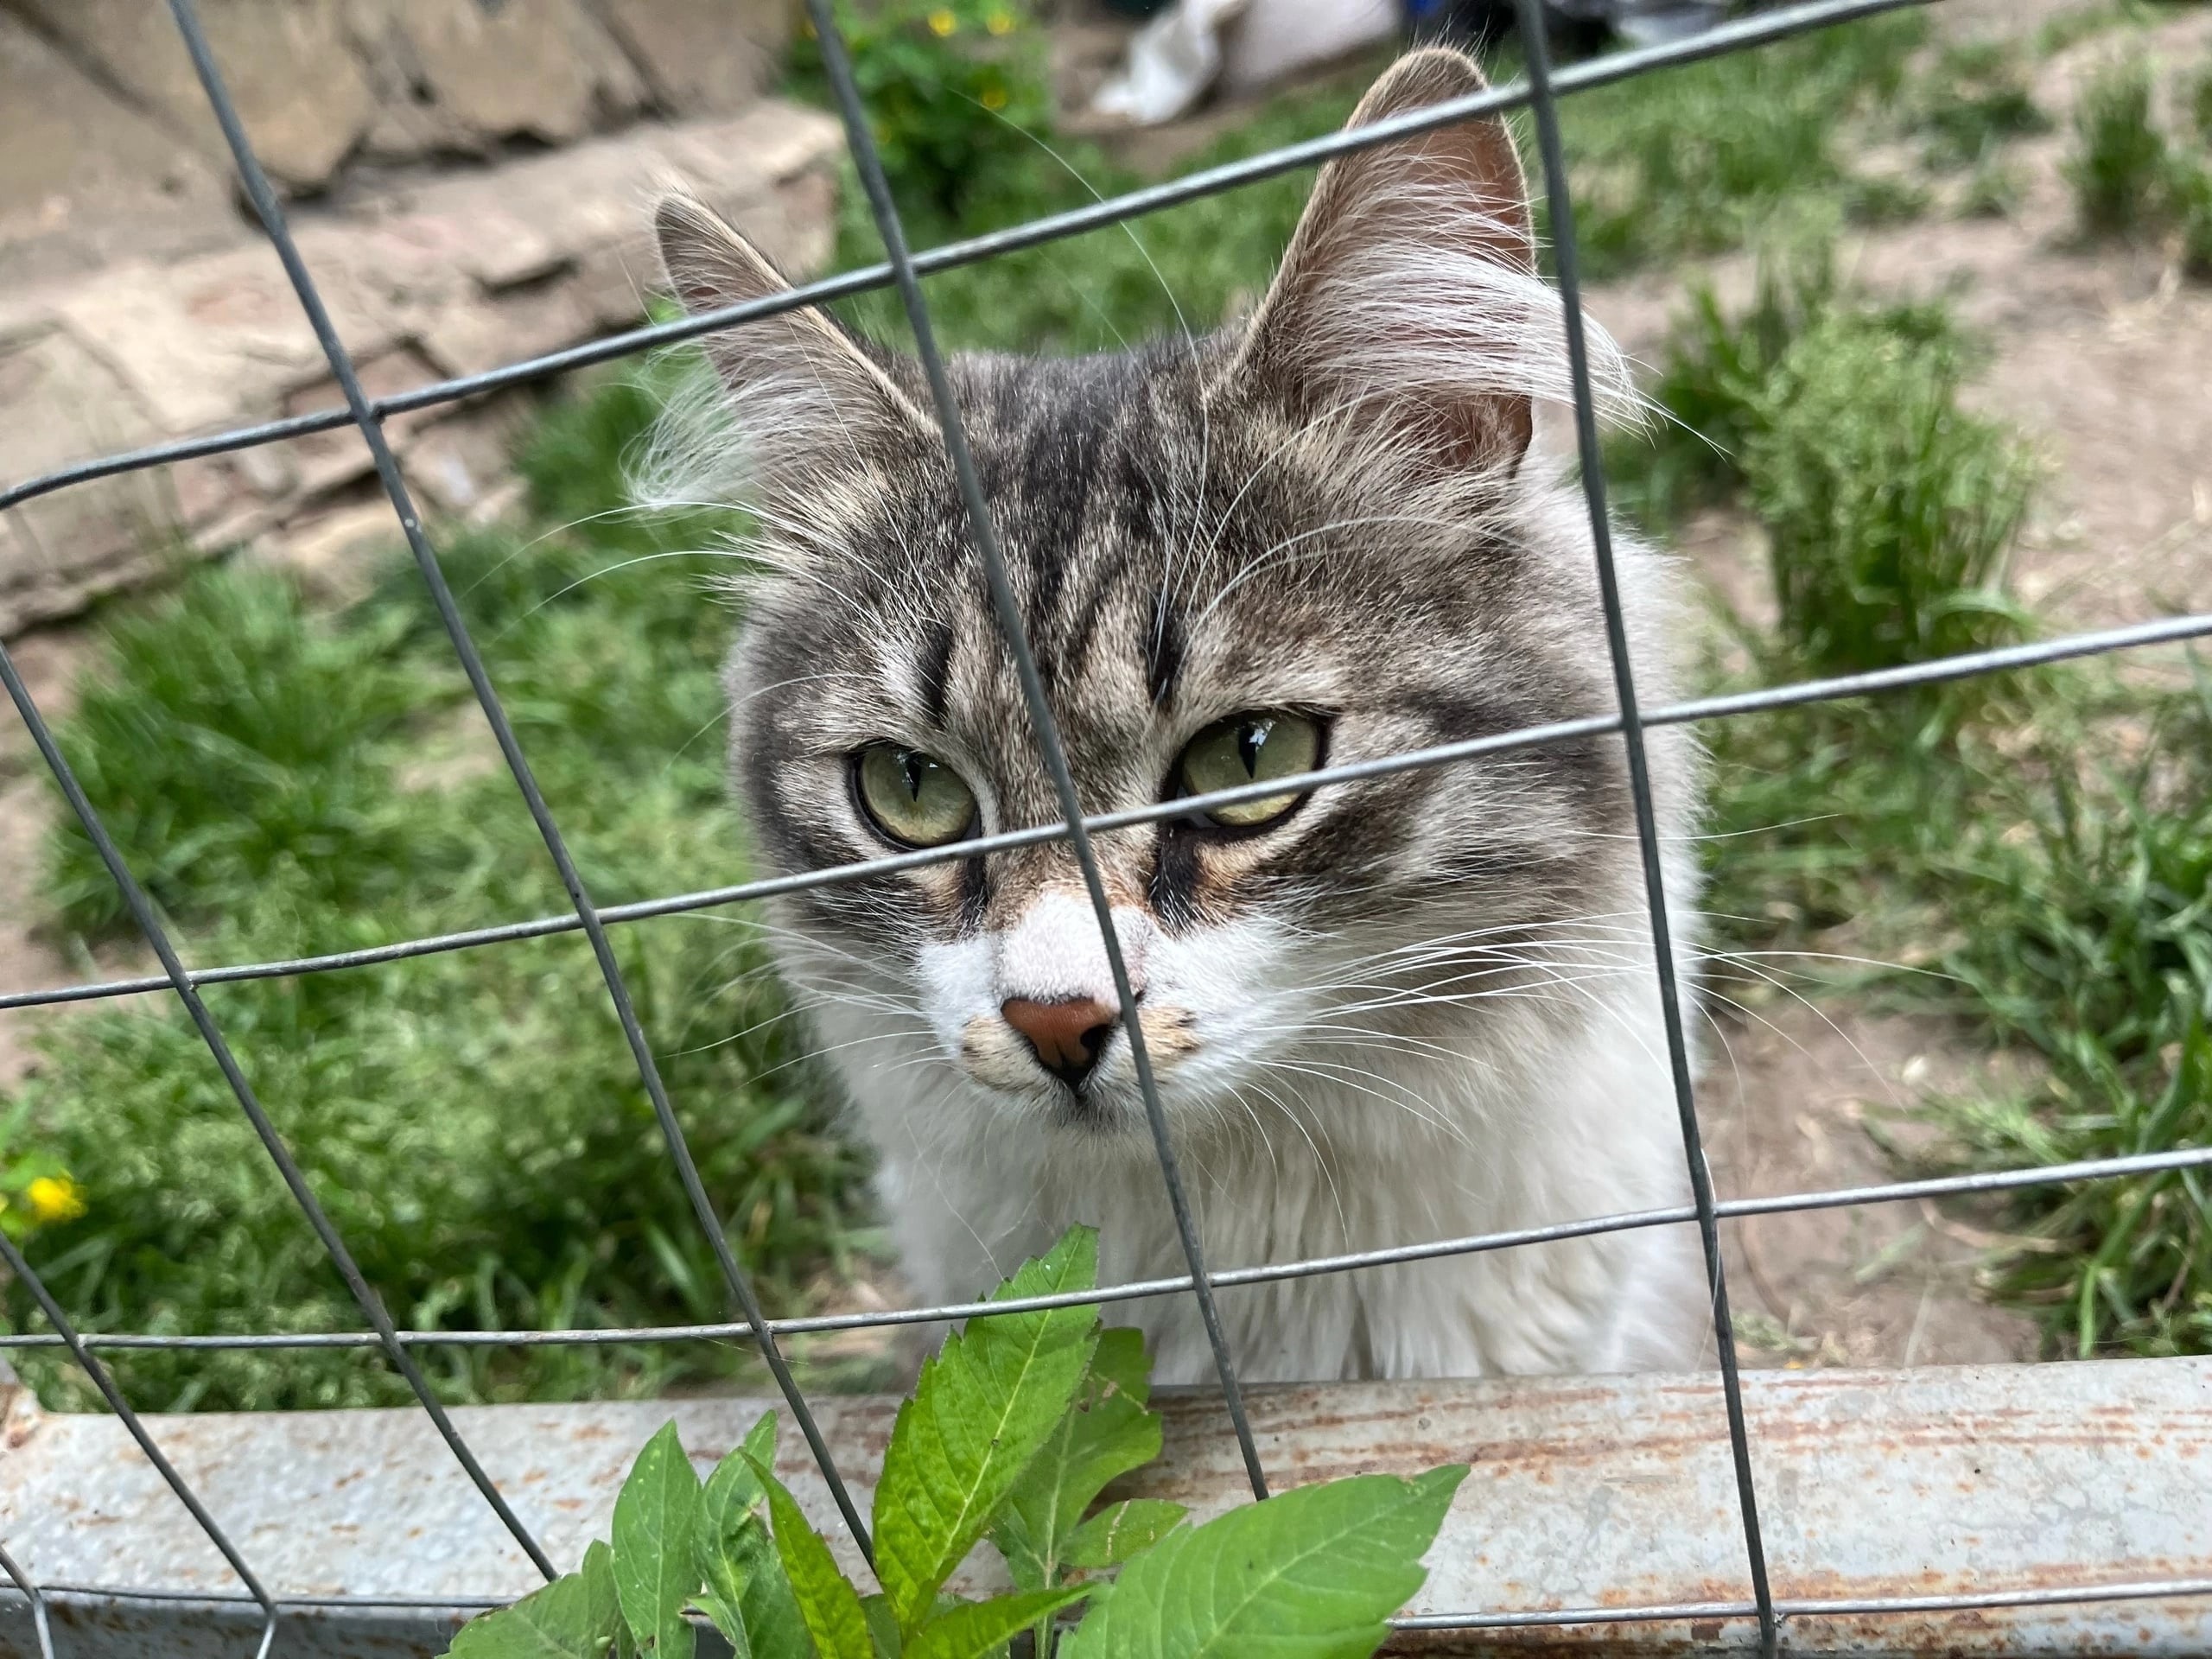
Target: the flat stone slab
(1604, 1495)
(458, 274)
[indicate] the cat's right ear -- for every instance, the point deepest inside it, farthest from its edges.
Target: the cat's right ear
(1408, 304)
(815, 379)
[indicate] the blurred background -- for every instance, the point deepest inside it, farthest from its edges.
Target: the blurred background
(1925, 302)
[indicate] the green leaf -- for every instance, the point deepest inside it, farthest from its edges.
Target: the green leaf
(1109, 1433)
(1117, 1532)
(992, 1397)
(733, 1492)
(748, 1596)
(575, 1617)
(598, 1573)
(759, 1614)
(976, 1628)
(882, 1625)
(829, 1605)
(1311, 1574)
(655, 1516)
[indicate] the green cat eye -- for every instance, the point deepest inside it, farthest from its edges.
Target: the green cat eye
(1249, 749)
(912, 799)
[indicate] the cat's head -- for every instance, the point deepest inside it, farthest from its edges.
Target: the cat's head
(1316, 537)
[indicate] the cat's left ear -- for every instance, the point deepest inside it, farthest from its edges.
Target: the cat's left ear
(1408, 299)
(796, 380)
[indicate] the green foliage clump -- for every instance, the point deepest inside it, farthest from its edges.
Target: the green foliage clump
(1973, 98)
(952, 88)
(2129, 178)
(1701, 159)
(1012, 1433)
(232, 694)
(291, 783)
(1887, 508)
(2119, 165)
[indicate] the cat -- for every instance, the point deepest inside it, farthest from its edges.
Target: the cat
(1420, 1006)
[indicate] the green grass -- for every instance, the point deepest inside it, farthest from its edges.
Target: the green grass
(1694, 160)
(2118, 168)
(2032, 855)
(292, 783)
(1977, 98)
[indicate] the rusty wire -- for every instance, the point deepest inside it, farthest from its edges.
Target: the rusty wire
(1539, 91)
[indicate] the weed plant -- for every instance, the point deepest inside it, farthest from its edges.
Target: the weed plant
(2119, 166)
(1973, 98)
(950, 87)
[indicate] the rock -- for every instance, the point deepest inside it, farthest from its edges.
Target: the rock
(448, 276)
(338, 554)
(292, 70)
(527, 68)
(85, 178)
(703, 59)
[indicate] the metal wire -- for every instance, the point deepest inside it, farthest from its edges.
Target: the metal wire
(1009, 610)
(40, 1627)
(1871, 683)
(1538, 56)
(341, 366)
(903, 269)
(1850, 1198)
(1112, 210)
(1785, 1607)
(132, 1424)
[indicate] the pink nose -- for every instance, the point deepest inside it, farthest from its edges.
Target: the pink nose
(1066, 1035)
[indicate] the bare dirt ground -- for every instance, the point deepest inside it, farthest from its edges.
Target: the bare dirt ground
(2102, 354)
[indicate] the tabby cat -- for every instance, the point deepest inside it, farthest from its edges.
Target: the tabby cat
(1417, 1007)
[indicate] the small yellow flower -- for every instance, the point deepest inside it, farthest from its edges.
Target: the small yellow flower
(999, 23)
(942, 23)
(56, 1198)
(993, 97)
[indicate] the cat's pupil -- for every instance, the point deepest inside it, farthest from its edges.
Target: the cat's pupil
(911, 764)
(1251, 738)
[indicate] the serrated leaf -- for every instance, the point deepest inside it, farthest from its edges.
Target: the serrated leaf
(1119, 1531)
(882, 1625)
(979, 1628)
(1109, 1433)
(985, 1404)
(573, 1617)
(752, 1601)
(756, 1610)
(733, 1492)
(829, 1605)
(1312, 1574)
(656, 1514)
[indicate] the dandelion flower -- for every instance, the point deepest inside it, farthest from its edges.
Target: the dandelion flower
(56, 1198)
(993, 97)
(942, 23)
(999, 23)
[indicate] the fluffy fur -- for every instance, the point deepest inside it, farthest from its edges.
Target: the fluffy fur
(1415, 1007)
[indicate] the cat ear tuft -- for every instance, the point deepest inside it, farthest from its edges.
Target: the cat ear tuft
(792, 379)
(1408, 301)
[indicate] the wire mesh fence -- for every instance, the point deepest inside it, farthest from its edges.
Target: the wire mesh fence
(1538, 92)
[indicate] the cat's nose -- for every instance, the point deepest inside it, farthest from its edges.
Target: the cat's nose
(1066, 1035)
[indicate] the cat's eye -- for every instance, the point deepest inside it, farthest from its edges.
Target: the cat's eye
(912, 799)
(1249, 749)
